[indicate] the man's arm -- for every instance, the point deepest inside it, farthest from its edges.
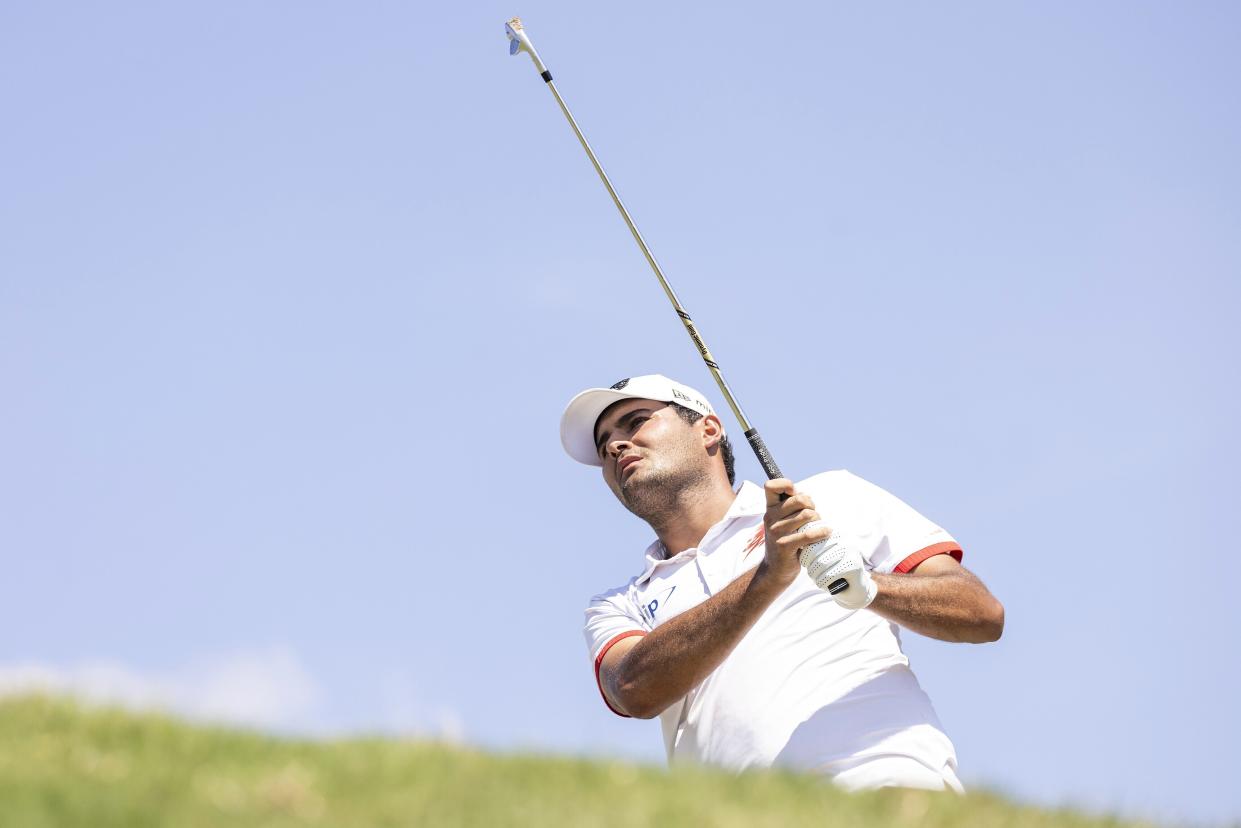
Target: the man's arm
(941, 599)
(642, 677)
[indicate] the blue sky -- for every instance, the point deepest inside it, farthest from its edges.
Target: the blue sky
(292, 296)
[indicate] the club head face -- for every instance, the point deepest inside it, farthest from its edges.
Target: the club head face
(511, 29)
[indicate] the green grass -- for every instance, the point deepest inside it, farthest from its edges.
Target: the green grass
(64, 765)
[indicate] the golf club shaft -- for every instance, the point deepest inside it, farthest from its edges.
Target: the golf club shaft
(521, 40)
(751, 434)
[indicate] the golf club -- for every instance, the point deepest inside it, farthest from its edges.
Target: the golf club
(519, 41)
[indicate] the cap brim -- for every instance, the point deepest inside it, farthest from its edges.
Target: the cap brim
(577, 426)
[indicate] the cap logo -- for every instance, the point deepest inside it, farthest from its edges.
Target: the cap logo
(618, 386)
(681, 396)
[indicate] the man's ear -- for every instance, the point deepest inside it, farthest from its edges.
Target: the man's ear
(712, 431)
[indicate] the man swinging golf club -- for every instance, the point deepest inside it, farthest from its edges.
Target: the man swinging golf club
(730, 639)
(762, 627)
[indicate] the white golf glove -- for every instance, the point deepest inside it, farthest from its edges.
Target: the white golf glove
(830, 560)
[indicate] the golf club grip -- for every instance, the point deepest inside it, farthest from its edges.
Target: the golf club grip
(773, 471)
(764, 456)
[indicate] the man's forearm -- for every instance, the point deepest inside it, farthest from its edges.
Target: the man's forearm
(680, 653)
(953, 606)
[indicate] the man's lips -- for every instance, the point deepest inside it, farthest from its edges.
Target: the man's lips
(624, 463)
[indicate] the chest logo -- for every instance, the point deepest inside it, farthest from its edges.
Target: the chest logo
(651, 607)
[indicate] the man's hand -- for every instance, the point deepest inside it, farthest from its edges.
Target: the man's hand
(788, 528)
(833, 559)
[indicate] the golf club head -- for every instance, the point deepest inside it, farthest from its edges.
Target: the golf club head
(519, 41)
(514, 40)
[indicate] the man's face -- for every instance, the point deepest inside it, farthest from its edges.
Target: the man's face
(644, 446)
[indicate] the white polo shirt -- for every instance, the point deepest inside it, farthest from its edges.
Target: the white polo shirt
(811, 686)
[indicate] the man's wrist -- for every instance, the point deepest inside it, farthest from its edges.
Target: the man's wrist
(766, 584)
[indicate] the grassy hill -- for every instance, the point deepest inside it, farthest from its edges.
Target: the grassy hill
(65, 765)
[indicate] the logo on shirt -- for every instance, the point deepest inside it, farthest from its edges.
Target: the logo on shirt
(651, 607)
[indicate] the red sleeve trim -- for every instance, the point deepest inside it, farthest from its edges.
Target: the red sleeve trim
(599, 663)
(945, 548)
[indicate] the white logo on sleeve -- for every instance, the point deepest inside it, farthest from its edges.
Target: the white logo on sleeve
(652, 606)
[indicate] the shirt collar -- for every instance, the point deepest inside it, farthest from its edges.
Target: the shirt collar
(750, 501)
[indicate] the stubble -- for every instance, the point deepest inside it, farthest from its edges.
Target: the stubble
(658, 494)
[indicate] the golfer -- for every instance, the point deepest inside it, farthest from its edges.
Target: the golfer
(723, 634)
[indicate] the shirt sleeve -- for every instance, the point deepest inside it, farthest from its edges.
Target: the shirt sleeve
(610, 618)
(891, 535)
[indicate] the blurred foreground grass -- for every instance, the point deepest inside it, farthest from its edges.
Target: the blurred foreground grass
(65, 765)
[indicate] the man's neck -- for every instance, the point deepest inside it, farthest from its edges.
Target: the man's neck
(693, 513)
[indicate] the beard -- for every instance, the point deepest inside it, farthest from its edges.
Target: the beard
(656, 493)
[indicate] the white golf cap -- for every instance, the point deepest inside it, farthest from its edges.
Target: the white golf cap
(577, 426)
